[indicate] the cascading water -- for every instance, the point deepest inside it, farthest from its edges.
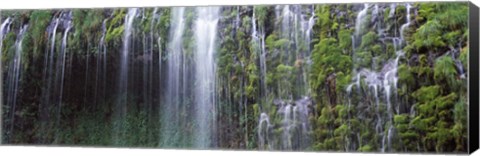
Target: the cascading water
(383, 82)
(121, 110)
(3, 32)
(307, 27)
(48, 77)
(14, 79)
(170, 129)
(265, 92)
(205, 37)
(258, 36)
(402, 29)
(308, 31)
(147, 59)
(360, 20)
(264, 130)
(61, 64)
(458, 64)
(150, 62)
(296, 27)
(101, 68)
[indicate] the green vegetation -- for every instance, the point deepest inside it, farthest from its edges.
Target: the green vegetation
(431, 94)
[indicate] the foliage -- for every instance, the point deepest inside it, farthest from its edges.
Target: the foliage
(428, 103)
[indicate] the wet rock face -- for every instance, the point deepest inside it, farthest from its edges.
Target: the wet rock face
(285, 77)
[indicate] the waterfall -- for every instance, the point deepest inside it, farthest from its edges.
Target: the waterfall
(147, 59)
(308, 32)
(296, 27)
(458, 64)
(265, 93)
(360, 20)
(3, 31)
(392, 10)
(48, 77)
(375, 13)
(61, 67)
(258, 37)
(101, 66)
(170, 129)
(205, 37)
(404, 26)
(237, 18)
(383, 82)
(121, 110)
(264, 127)
(14, 79)
(150, 62)
(307, 26)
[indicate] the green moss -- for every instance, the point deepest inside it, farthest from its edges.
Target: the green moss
(444, 71)
(342, 111)
(409, 135)
(261, 14)
(281, 43)
(427, 93)
(116, 33)
(453, 37)
(344, 39)
(446, 102)
(368, 39)
(404, 75)
(366, 148)
(270, 41)
(341, 131)
(37, 29)
(401, 118)
(377, 49)
(115, 26)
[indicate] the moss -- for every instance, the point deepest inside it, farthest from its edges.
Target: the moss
(404, 75)
(409, 135)
(37, 29)
(453, 15)
(365, 58)
(453, 37)
(334, 26)
(429, 36)
(250, 91)
(366, 148)
(400, 118)
(323, 14)
(377, 49)
(261, 14)
(368, 39)
(427, 93)
(116, 33)
(438, 96)
(444, 71)
(401, 127)
(344, 39)
(343, 81)
(446, 102)
(342, 111)
(281, 43)
(341, 131)
(270, 41)
(256, 109)
(115, 26)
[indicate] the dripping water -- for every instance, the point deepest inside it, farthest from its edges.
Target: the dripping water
(14, 76)
(205, 37)
(173, 95)
(121, 103)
